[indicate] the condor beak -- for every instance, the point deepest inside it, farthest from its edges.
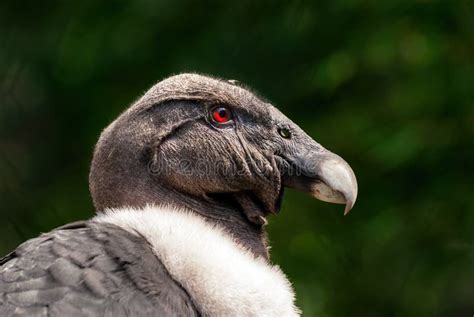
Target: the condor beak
(324, 175)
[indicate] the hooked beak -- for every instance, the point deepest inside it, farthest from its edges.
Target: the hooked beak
(324, 175)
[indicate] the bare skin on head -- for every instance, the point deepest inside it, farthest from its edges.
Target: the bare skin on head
(213, 147)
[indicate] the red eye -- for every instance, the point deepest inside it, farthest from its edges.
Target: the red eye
(221, 115)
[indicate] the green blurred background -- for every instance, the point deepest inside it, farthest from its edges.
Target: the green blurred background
(388, 85)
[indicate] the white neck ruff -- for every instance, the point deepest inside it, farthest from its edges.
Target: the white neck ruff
(222, 277)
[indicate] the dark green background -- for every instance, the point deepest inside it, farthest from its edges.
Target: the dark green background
(388, 85)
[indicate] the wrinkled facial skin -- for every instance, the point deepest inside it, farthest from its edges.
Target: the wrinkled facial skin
(170, 138)
(252, 156)
(205, 157)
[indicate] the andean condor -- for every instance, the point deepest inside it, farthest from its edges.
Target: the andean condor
(182, 183)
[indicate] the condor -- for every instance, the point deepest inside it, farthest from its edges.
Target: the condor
(182, 183)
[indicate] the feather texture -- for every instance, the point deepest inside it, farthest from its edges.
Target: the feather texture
(90, 269)
(222, 277)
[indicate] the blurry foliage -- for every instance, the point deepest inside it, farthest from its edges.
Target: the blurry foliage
(388, 85)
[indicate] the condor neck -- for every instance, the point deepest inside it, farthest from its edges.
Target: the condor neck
(119, 178)
(220, 212)
(225, 214)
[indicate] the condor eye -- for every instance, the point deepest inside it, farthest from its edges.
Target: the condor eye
(221, 115)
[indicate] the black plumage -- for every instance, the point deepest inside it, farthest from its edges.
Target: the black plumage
(89, 269)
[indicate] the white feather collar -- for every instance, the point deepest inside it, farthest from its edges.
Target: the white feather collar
(222, 277)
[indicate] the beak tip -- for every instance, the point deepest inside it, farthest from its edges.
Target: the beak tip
(350, 204)
(341, 179)
(332, 181)
(348, 208)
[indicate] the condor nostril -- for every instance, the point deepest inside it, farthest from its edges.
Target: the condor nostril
(284, 133)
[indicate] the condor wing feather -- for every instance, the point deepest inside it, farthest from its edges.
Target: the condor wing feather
(89, 269)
